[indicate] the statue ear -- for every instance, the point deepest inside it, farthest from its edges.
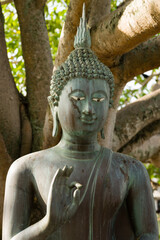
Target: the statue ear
(54, 111)
(102, 133)
(55, 122)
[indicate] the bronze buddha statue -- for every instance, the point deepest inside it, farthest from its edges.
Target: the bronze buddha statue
(85, 191)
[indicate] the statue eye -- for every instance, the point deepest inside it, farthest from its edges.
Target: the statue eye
(77, 98)
(98, 99)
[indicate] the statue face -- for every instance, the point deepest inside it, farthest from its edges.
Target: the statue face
(83, 106)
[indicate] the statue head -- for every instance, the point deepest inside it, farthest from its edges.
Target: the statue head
(82, 63)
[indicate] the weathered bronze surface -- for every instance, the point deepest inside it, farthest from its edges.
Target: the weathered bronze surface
(85, 191)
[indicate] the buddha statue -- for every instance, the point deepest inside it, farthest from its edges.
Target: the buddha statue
(85, 191)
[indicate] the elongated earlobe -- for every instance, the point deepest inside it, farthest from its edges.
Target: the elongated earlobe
(102, 133)
(54, 111)
(55, 123)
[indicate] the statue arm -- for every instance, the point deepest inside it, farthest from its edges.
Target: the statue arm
(17, 207)
(140, 204)
(18, 199)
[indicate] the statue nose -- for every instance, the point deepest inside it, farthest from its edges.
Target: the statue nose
(88, 108)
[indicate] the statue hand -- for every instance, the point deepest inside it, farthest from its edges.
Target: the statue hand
(63, 199)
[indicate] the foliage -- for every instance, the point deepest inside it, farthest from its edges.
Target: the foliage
(115, 4)
(153, 172)
(14, 49)
(55, 15)
(139, 87)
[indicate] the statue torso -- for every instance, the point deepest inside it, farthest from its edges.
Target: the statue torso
(103, 194)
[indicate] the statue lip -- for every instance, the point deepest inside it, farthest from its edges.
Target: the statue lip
(88, 119)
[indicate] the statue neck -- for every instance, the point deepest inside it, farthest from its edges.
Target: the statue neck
(85, 144)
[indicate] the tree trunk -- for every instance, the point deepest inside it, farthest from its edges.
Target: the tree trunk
(9, 101)
(5, 162)
(38, 63)
(110, 123)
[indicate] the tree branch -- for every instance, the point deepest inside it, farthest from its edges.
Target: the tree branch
(131, 24)
(111, 118)
(139, 60)
(134, 117)
(112, 37)
(145, 144)
(69, 30)
(95, 9)
(148, 79)
(148, 150)
(9, 99)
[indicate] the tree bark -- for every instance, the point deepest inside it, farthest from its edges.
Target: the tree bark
(155, 158)
(26, 140)
(146, 144)
(38, 63)
(5, 162)
(145, 151)
(69, 30)
(41, 3)
(97, 10)
(128, 26)
(9, 99)
(139, 60)
(134, 117)
(111, 119)
(111, 36)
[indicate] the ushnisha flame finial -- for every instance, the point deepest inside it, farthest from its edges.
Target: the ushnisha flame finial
(82, 38)
(81, 63)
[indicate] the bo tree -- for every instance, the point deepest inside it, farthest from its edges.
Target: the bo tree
(125, 39)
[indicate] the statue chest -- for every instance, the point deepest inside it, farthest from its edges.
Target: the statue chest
(102, 195)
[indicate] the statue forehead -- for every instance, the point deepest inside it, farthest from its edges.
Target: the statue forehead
(83, 83)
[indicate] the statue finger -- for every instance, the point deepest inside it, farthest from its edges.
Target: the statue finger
(55, 179)
(64, 169)
(76, 199)
(72, 207)
(57, 175)
(75, 184)
(70, 170)
(67, 171)
(59, 172)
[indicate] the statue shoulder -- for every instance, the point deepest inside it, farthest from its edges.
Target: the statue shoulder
(23, 166)
(127, 160)
(134, 167)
